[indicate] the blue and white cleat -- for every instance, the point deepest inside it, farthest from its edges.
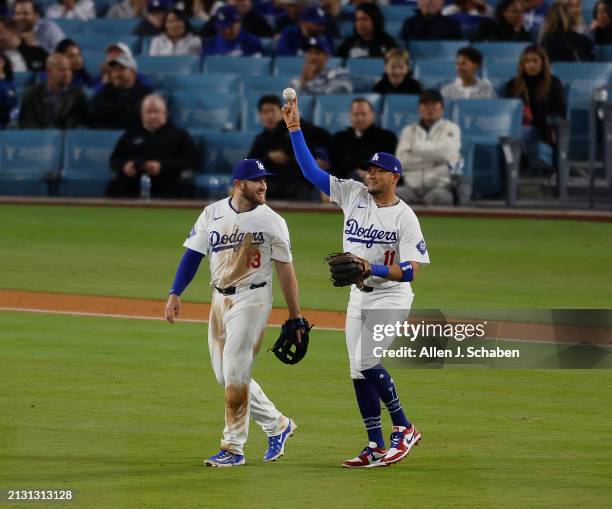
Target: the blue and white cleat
(276, 444)
(225, 458)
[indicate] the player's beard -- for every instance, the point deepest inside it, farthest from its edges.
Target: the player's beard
(253, 197)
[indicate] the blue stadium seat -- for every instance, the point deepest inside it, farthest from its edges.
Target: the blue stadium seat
(332, 111)
(217, 83)
(498, 52)
(292, 66)
(21, 79)
(220, 152)
(268, 45)
(434, 73)
(249, 117)
(347, 28)
(400, 111)
(202, 109)
(584, 78)
(117, 28)
(365, 72)
(102, 7)
(26, 157)
(246, 66)
(168, 65)
(394, 28)
(603, 53)
(397, 12)
(71, 27)
(86, 169)
(93, 59)
(99, 42)
(482, 123)
(499, 74)
(435, 50)
(263, 85)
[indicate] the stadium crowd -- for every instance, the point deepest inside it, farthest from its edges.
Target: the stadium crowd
(63, 92)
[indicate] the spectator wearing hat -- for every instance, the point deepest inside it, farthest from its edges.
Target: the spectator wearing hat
(370, 38)
(72, 9)
(128, 9)
(154, 147)
(397, 78)
(316, 78)
(427, 150)
(508, 24)
(56, 103)
(273, 147)
(468, 85)
(34, 30)
(313, 23)
(114, 50)
(363, 137)
(252, 22)
(429, 23)
(231, 40)
(177, 39)
(23, 56)
(153, 23)
(286, 12)
(116, 105)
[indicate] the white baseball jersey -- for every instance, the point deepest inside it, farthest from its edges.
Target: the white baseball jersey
(241, 246)
(381, 235)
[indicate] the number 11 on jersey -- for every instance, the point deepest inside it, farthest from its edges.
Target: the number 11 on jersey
(389, 257)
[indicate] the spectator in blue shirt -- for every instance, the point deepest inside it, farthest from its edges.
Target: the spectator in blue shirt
(35, 31)
(313, 23)
(231, 40)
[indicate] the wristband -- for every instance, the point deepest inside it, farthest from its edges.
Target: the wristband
(380, 270)
(407, 271)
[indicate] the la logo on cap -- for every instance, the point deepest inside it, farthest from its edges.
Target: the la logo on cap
(260, 165)
(375, 157)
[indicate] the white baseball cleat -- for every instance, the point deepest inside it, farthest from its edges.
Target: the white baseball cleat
(369, 457)
(402, 440)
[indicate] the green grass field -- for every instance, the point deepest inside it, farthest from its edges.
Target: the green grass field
(476, 263)
(123, 411)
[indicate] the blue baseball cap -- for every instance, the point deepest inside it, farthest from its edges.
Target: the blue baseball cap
(385, 161)
(250, 169)
(159, 5)
(314, 15)
(226, 16)
(317, 42)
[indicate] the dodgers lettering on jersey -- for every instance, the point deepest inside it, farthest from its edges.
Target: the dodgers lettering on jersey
(381, 235)
(241, 246)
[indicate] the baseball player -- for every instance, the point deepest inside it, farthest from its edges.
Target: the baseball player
(241, 236)
(384, 234)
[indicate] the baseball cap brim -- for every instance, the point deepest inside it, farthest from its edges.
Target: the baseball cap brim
(258, 176)
(366, 164)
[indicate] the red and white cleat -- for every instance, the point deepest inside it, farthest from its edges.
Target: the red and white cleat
(369, 457)
(402, 440)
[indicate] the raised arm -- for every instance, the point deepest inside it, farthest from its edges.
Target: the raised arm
(310, 169)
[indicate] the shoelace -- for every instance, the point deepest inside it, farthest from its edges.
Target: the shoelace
(395, 439)
(274, 442)
(222, 455)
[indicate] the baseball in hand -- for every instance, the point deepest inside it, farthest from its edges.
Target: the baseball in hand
(289, 94)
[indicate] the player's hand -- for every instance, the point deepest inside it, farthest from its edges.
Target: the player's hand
(129, 169)
(153, 168)
(291, 114)
(173, 307)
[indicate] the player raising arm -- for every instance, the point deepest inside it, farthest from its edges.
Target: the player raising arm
(383, 235)
(241, 236)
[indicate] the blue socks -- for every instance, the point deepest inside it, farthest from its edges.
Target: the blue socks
(382, 383)
(369, 406)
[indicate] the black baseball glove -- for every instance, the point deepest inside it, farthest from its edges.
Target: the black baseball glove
(348, 269)
(287, 348)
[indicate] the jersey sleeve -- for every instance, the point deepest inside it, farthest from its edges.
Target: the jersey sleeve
(197, 240)
(412, 247)
(281, 245)
(344, 191)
